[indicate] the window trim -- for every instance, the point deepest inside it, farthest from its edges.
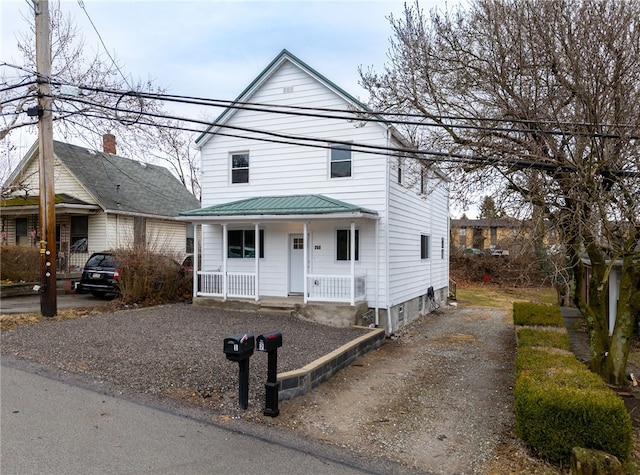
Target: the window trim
(342, 148)
(340, 255)
(425, 246)
(233, 169)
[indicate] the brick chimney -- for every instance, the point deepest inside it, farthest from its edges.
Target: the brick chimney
(109, 143)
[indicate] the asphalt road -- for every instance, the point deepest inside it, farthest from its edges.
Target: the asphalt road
(56, 427)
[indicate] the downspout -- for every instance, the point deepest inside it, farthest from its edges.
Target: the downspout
(376, 289)
(195, 259)
(224, 261)
(305, 251)
(257, 259)
(386, 236)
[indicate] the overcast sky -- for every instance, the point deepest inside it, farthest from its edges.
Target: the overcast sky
(213, 48)
(216, 48)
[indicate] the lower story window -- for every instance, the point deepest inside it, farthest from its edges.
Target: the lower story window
(241, 244)
(343, 244)
(79, 234)
(424, 246)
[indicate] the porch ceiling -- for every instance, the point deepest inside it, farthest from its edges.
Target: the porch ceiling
(279, 208)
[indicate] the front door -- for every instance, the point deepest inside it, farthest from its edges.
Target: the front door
(296, 264)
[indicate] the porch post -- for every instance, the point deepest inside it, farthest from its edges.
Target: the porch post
(353, 262)
(195, 259)
(305, 251)
(224, 261)
(257, 259)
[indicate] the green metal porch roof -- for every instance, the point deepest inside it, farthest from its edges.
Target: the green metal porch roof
(280, 205)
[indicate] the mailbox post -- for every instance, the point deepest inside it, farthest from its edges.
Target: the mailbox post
(240, 348)
(270, 342)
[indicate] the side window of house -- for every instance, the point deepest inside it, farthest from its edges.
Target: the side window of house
(343, 245)
(79, 238)
(189, 243)
(240, 167)
(424, 246)
(400, 171)
(241, 244)
(340, 161)
(441, 248)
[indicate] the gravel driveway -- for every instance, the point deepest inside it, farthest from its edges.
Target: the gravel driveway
(172, 351)
(437, 397)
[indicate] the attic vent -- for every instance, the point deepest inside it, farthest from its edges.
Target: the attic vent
(287, 90)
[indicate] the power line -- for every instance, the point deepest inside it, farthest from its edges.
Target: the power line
(82, 6)
(399, 152)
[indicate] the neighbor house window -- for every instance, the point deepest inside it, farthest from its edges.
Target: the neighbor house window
(343, 245)
(241, 244)
(79, 234)
(240, 168)
(190, 233)
(424, 246)
(399, 171)
(441, 248)
(340, 161)
(22, 233)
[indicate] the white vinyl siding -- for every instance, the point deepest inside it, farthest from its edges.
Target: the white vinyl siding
(289, 169)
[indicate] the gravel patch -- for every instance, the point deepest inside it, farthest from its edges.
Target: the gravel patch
(173, 351)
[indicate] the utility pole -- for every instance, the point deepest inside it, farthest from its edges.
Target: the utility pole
(48, 303)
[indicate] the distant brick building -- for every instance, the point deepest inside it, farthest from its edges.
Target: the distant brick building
(483, 233)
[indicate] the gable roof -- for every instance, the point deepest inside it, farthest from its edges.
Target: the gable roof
(263, 77)
(122, 185)
(278, 207)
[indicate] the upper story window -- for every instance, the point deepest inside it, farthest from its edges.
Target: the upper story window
(399, 171)
(240, 167)
(340, 161)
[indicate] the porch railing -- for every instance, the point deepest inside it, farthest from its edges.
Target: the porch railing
(239, 284)
(70, 263)
(335, 288)
(321, 288)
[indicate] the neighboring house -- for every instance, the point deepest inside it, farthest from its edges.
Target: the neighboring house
(305, 212)
(102, 202)
(483, 233)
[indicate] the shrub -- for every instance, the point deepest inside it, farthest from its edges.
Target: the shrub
(541, 337)
(20, 263)
(560, 404)
(149, 277)
(526, 313)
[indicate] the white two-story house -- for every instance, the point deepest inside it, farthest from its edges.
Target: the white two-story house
(306, 198)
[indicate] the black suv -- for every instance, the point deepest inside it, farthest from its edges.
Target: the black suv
(100, 275)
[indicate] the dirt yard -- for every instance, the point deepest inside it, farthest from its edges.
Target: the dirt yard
(438, 398)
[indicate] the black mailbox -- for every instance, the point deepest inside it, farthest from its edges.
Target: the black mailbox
(239, 347)
(269, 341)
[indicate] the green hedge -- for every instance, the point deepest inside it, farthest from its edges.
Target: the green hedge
(526, 313)
(541, 337)
(559, 403)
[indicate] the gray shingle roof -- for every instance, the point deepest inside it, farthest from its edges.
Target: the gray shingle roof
(125, 185)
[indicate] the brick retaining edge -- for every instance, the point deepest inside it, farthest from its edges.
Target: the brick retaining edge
(300, 381)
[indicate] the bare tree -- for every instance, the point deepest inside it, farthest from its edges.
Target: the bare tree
(544, 99)
(92, 96)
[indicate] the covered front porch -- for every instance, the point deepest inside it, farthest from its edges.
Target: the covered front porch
(308, 240)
